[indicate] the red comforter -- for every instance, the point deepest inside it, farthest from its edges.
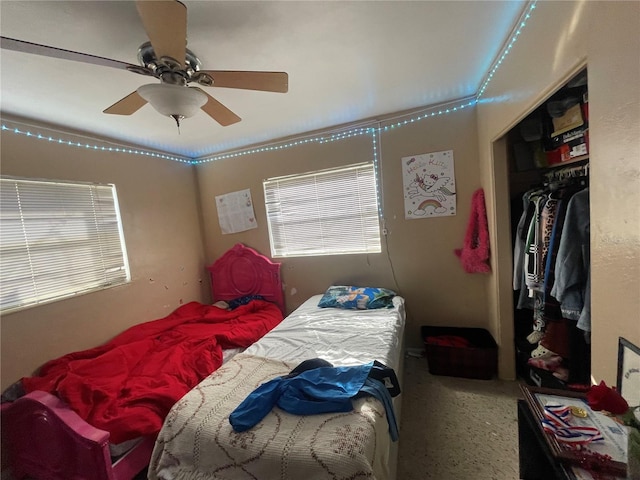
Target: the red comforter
(128, 385)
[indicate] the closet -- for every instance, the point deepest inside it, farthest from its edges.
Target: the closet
(549, 192)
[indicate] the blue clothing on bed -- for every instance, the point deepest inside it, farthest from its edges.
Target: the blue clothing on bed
(319, 390)
(378, 390)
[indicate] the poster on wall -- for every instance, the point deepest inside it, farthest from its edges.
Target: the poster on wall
(235, 212)
(429, 185)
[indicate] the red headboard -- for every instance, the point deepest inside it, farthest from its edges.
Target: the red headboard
(243, 271)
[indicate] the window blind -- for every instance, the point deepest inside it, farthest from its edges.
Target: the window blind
(328, 212)
(57, 240)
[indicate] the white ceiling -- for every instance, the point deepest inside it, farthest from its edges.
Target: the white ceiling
(346, 61)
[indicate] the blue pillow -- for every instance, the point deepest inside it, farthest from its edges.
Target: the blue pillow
(357, 298)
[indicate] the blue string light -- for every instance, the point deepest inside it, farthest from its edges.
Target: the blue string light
(522, 22)
(62, 141)
(376, 168)
(327, 138)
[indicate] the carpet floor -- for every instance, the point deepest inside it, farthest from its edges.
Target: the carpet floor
(457, 428)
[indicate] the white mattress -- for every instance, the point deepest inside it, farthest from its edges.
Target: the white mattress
(196, 441)
(342, 337)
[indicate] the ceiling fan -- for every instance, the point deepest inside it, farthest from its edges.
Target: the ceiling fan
(167, 58)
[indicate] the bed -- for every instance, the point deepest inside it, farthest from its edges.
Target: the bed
(197, 441)
(43, 437)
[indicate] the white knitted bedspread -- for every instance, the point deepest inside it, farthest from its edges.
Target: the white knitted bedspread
(197, 441)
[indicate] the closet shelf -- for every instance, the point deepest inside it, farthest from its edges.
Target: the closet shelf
(579, 159)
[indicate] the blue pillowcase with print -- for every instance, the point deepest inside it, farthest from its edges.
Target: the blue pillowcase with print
(357, 298)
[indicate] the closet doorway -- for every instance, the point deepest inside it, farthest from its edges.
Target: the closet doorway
(541, 173)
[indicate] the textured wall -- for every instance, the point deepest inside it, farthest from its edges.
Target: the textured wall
(559, 39)
(159, 209)
(417, 258)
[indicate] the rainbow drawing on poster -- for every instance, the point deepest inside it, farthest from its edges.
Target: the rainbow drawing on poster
(429, 185)
(422, 208)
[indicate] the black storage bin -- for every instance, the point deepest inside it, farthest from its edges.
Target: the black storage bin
(480, 360)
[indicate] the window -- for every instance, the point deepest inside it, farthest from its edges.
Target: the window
(329, 212)
(58, 240)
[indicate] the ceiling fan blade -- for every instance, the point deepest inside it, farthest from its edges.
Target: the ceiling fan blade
(165, 22)
(128, 105)
(264, 81)
(218, 111)
(37, 49)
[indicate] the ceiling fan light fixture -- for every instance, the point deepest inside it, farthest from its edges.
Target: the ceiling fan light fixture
(173, 100)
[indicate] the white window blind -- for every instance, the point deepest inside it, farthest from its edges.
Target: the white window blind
(57, 240)
(329, 212)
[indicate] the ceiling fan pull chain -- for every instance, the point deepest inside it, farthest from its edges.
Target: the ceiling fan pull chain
(177, 119)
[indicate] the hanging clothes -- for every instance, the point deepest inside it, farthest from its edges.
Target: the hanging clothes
(551, 258)
(571, 286)
(533, 252)
(557, 332)
(519, 273)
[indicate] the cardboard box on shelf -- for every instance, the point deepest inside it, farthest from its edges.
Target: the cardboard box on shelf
(572, 119)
